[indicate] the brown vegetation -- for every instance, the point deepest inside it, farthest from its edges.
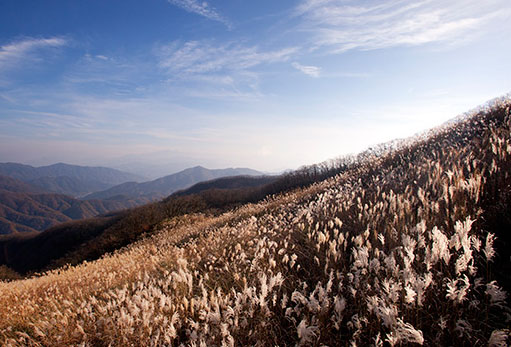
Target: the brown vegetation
(406, 245)
(74, 242)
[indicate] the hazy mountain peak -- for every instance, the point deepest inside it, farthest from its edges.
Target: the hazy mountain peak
(164, 186)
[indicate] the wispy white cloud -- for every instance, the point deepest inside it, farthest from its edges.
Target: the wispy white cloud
(115, 73)
(15, 52)
(310, 70)
(365, 25)
(7, 98)
(219, 71)
(102, 57)
(201, 8)
(53, 119)
(195, 57)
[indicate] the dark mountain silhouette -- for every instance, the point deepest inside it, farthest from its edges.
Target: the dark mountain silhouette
(167, 185)
(227, 183)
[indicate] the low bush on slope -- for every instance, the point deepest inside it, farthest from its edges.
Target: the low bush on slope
(406, 247)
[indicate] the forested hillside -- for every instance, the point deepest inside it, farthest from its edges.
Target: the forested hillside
(25, 208)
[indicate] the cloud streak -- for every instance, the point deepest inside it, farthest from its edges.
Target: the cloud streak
(367, 25)
(15, 52)
(312, 71)
(202, 8)
(231, 69)
(195, 57)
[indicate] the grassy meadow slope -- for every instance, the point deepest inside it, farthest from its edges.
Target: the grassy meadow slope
(409, 245)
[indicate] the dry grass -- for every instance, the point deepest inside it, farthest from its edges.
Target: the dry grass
(393, 251)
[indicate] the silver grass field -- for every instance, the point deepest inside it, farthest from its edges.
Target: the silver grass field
(394, 251)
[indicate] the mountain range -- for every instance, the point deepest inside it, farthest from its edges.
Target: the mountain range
(26, 208)
(35, 199)
(164, 186)
(68, 179)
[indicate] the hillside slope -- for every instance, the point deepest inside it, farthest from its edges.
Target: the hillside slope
(167, 185)
(13, 185)
(407, 246)
(227, 183)
(69, 185)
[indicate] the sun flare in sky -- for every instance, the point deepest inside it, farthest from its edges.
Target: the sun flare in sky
(271, 85)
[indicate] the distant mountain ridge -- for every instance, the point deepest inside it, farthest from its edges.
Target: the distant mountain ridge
(36, 200)
(13, 185)
(167, 185)
(68, 179)
(25, 208)
(69, 185)
(86, 173)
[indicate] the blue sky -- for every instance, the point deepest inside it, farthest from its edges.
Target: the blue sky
(271, 85)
